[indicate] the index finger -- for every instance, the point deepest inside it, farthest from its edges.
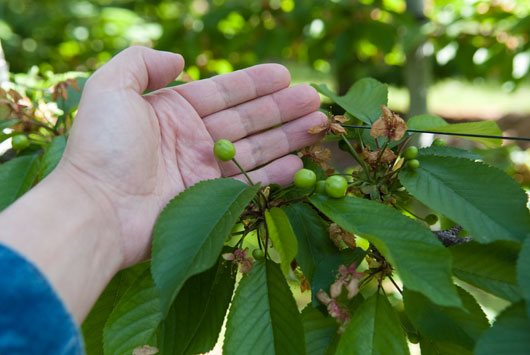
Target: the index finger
(220, 92)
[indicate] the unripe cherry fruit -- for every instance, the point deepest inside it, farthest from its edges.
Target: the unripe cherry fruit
(305, 178)
(411, 152)
(224, 150)
(20, 142)
(438, 142)
(336, 186)
(258, 254)
(413, 164)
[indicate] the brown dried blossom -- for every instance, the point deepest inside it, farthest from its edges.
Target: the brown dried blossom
(389, 125)
(340, 237)
(316, 152)
(335, 126)
(372, 157)
(61, 89)
(240, 257)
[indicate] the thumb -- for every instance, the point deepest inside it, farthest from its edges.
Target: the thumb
(139, 68)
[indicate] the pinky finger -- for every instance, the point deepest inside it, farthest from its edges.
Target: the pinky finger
(279, 171)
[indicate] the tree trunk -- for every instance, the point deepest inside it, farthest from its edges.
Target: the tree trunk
(418, 67)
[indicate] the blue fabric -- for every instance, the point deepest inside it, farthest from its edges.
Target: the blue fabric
(33, 320)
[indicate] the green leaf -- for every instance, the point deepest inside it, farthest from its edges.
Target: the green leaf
(72, 101)
(326, 270)
(319, 331)
(194, 321)
(523, 272)
(437, 124)
(312, 234)
(263, 317)
(448, 152)
(429, 347)
(363, 100)
(317, 256)
(282, 237)
(52, 156)
(190, 231)
(7, 123)
(422, 262)
(96, 319)
(509, 334)
(17, 177)
(489, 204)
(426, 122)
(135, 319)
(373, 329)
(490, 267)
(446, 324)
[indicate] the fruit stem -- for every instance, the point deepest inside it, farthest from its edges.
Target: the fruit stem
(244, 172)
(258, 200)
(379, 156)
(356, 156)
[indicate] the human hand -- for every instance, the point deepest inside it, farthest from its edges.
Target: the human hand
(132, 153)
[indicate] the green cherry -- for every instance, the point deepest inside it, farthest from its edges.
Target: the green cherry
(411, 152)
(336, 186)
(413, 164)
(305, 178)
(19, 142)
(258, 254)
(438, 142)
(224, 150)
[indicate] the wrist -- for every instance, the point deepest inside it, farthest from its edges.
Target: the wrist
(68, 232)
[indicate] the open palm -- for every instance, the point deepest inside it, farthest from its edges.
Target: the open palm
(138, 151)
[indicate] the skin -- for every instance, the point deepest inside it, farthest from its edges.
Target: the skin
(129, 153)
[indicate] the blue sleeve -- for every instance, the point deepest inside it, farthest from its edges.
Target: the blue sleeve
(33, 320)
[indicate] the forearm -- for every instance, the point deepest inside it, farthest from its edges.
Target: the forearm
(69, 233)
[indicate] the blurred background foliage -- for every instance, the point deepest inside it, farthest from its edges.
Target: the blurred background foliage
(340, 39)
(471, 57)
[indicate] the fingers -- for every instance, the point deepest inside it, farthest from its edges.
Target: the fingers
(139, 68)
(280, 171)
(262, 113)
(264, 147)
(224, 91)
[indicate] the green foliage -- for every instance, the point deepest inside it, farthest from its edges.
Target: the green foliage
(319, 331)
(282, 236)
(52, 156)
(95, 321)
(194, 321)
(362, 257)
(523, 272)
(17, 177)
(184, 244)
(134, 320)
(437, 124)
(263, 318)
(422, 262)
(362, 101)
(373, 329)
(489, 267)
(448, 152)
(509, 334)
(495, 209)
(445, 324)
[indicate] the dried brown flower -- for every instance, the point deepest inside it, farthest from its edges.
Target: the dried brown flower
(389, 125)
(371, 157)
(340, 237)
